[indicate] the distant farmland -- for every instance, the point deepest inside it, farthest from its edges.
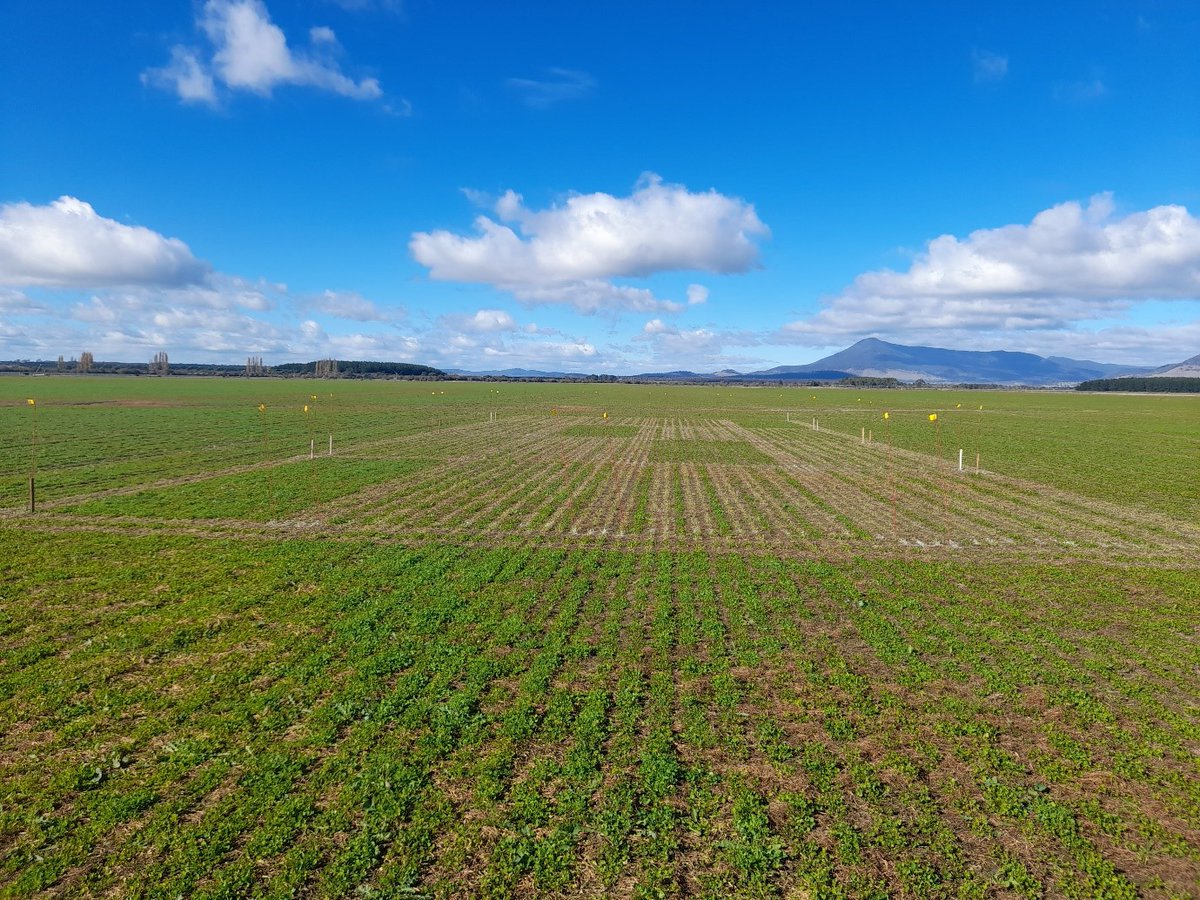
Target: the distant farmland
(579, 640)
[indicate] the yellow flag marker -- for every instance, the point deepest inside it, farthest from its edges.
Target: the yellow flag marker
(312, 396)
(933, 417)
(31, 402)
(606, 415)
(886, 415)
(306, 407)
(981, 406)
(958, 406)
(262, 407)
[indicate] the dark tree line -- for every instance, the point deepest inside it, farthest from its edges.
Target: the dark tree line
(1168, 385)
(342, 368)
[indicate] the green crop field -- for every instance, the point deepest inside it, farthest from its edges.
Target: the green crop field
(513, 640)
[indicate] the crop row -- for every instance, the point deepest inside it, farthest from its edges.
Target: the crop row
(330, 719)
(531, 478)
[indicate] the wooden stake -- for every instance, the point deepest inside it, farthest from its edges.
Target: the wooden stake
(331, 445)
(262, 415)
(891, 471)
(312, 448)
(32, 453)
(937, 428)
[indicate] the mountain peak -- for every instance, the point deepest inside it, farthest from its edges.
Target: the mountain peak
(875, 358)
(1189, 368)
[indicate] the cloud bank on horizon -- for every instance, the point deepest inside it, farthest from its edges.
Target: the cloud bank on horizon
(1072, 264)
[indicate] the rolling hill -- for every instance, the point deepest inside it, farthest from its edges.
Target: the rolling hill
(874, 358)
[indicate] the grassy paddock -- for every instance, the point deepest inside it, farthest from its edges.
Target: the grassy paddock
(693, 648)
(99, 432)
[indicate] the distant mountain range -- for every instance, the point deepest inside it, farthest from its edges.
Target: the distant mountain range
(514, 373)
(869, 358)
(1189, 368)
(873, 358)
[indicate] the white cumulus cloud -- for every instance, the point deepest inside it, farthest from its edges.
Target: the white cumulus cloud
(1128, 344)
(1072, 263)
(556, 86)
(596, 296)
(186, 75)
(700, 349)
(351, 305)
(1088, 90)
(249, 52)
(560, 351)
(988, 66)
(17, 304)
(322, 34)
(569, 252)
(369, 5)
(68, 244)
(495, 339)
(657, 326)
(484, 321)
(223, 294)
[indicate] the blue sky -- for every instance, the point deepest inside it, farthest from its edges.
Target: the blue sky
(617, 187)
